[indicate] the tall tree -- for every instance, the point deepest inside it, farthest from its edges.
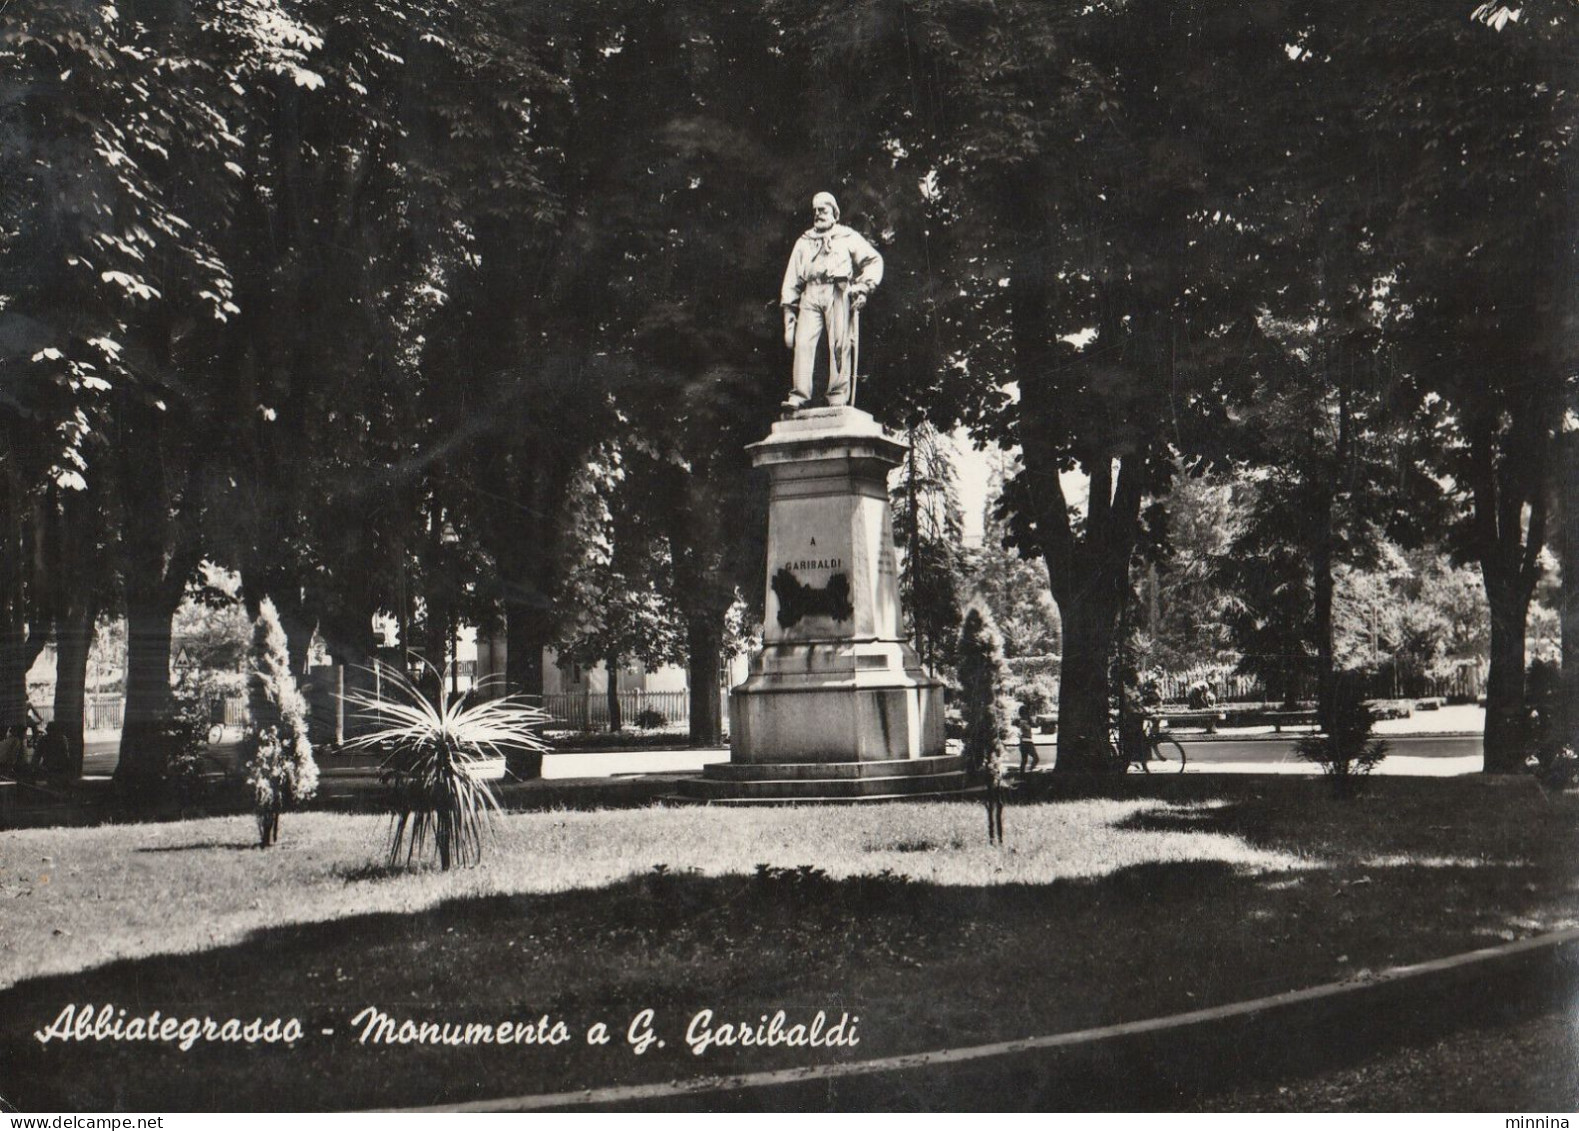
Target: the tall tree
(929, 531)
(129, 124)
(1014, 589)
(702, 169)
(1485, 121)
(1091, 176)
(618, 604)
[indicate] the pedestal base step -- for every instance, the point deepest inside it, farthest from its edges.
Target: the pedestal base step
(744, 783)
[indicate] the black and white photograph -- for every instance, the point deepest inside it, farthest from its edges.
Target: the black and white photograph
(789, 556)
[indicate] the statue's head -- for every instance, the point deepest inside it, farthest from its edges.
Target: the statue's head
(824, 211)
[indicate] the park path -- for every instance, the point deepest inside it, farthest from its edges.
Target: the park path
(1430, 743)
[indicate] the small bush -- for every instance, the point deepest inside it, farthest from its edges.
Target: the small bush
(207, 690)
(982, 676)
(1547, 735)
(279, 767)
(184, 737)
(1038, 691)
(1346, 749)
(1560, 770)
(649, 718)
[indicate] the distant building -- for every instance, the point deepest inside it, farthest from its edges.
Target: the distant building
(577, 694)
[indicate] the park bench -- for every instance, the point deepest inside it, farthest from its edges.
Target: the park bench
(1281, 719)
(1206, 718)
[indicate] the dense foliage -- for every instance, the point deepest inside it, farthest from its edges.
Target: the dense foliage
(982, 679)
(348, 296)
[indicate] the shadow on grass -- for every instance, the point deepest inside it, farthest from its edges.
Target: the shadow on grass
(200, 845)
(1389, 816)
(922, 966)
(380, 872)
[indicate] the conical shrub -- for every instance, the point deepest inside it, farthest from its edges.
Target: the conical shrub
(279, 767)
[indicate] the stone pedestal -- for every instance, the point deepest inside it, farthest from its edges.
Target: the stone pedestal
(837, 706)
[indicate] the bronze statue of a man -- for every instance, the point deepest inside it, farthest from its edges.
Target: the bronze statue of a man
(830, 273)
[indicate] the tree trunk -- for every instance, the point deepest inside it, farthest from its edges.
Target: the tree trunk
(528, 630)
(1506, 733)
(1089, 572)
(1084, 690)
(1509, 528)
(612, 664)
(435, 648)
(1090, 583)
(349, 637)
(23, 612)
(73, 642)
(159, 512)
(1568, 555)
(77, 568)
(298, 634)
(704, 634)
(1326, 670)
(149, 702)
(16, 656)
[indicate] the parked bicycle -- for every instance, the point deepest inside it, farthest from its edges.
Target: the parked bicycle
(1141, 742)
(218, 728)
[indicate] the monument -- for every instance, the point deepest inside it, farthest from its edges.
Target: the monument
(837, 706)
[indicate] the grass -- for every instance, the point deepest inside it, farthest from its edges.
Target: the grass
(1100, 909)
(1518, 1066)
(1511, 1067)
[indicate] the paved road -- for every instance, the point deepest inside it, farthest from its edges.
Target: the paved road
(100, 757)
(1282, 749)
(1203, 753)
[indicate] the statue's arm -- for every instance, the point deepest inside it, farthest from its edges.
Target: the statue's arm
(789, 294)
(794, 278)
(868, 264)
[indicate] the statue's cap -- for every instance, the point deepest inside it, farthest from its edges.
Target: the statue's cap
(826, 198)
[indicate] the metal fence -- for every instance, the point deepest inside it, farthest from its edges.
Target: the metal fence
(108, 712)
(589, 710)
(579, 710)
(1466, 682)
(1226, 685)
(105, 713)
(100, 712)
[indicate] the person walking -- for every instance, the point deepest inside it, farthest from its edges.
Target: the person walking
(1029, 759)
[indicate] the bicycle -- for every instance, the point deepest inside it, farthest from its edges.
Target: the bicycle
(1146, 745)
(217, 727)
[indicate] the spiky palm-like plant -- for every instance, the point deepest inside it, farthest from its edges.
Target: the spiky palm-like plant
(433, 750)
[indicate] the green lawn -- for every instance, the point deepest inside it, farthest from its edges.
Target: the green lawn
(1099, 910)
